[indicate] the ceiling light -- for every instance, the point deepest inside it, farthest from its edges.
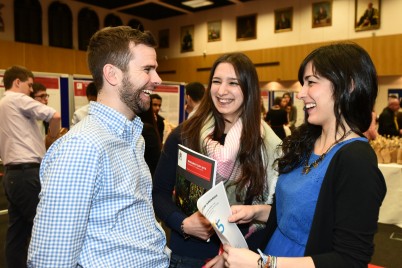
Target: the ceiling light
(197, 3)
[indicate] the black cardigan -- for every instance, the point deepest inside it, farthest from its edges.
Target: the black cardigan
(346, 215)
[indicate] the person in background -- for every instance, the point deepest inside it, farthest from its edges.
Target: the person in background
(153, 145)
(95, 207)
(156, 102)
(370, 16)
(293, 110)
(227, 127)
(21, 149)
(277, 118)
(283, 22)
(263, 109)
(399, 114)
(164, 126)
(79, 114)
(194, 93)
(330, 189)
(388, 120)
(372, 133)
(39, 93)
(321, 15)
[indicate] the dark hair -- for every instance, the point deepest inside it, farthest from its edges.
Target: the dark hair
(111, 45)
(36, 87)
(352, 74)
(251, 142)
(16, 72)
(195, 90)
(148, 117)
(290, 97)
(155, 96)
(277, 100)
(91, 90)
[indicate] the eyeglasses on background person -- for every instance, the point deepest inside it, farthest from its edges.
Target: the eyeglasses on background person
(42, 96)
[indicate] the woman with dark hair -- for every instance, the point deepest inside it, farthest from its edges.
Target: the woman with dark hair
(227, 126)
(277, 118)
(153, 143)
(292, 114)
(330, 189)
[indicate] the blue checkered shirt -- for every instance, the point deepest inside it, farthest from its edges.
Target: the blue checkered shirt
(95, 206)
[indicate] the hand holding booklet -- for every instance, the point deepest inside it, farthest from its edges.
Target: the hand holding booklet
(200, 170)
(214, 205)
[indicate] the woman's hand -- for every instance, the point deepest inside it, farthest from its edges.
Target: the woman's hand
(239, 257)
(198, 226)
(247, 213)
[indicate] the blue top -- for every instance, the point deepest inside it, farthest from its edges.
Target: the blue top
(95, 206)
(296, 199)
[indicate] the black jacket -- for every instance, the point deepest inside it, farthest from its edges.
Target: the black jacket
(346, 215)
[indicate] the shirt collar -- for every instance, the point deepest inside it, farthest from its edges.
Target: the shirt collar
(117, 122)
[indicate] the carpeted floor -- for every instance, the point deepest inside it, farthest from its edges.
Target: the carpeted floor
(388, 246)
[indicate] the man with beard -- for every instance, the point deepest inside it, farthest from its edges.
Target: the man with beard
(95, 206)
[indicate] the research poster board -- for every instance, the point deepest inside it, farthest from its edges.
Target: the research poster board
(57, 88)
(77, 88)
(172, 95)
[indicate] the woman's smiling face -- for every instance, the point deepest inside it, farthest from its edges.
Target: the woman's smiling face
(226, 92)
(317, 95)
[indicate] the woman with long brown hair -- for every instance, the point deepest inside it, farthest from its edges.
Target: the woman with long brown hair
(227, 126)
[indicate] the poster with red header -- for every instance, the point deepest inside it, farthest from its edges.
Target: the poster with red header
(80, 92)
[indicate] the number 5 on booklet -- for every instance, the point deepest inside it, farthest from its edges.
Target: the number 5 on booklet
(214, 205)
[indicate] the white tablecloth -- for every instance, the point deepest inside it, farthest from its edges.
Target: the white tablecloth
(391, 209)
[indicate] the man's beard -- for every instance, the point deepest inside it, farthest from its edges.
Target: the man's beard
(132, 97)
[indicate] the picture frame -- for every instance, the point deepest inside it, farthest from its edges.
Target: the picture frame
(214, 30)
(246, 27)
(283, 20)
(367, 15)
(322, 14)
(163, 38)
(187, 38)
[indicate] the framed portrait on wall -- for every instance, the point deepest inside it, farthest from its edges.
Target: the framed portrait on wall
(367, 14)
(246, 27)
(163, 38)
(283, 19)
(186, 38)
(214, 30)
(322, 14)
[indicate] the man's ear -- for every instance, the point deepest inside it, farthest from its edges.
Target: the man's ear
(17, 82)
(112, 74)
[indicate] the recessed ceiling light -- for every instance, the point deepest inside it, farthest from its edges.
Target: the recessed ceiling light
(197, 3)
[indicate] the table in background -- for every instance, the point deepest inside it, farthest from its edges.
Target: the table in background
(391, 209)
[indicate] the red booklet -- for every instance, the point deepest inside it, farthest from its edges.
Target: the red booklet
(196, 168)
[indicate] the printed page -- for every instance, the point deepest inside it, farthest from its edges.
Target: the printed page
(214, 205)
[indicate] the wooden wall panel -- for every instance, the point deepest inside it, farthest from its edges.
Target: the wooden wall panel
(61, 60)
(11, 53)
(81, 65)
(386, 52)
(37, 58)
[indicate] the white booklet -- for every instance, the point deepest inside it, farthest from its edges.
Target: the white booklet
(214, 205)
